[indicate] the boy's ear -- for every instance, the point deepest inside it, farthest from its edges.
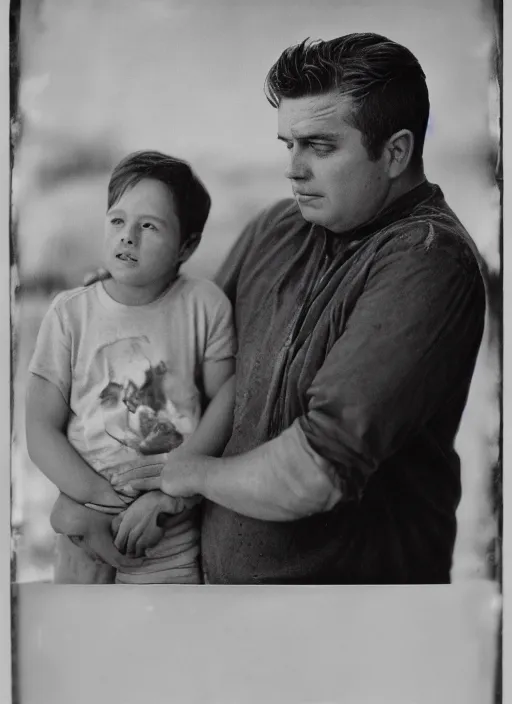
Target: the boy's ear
(189, 247)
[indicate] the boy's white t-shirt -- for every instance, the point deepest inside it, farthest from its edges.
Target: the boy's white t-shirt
(131, 375)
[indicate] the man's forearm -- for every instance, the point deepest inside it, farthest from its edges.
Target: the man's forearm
(282, 480)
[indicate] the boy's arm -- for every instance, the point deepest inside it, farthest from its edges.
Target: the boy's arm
(143, 524)
(214, 429)
(48, 447)
(71, 518)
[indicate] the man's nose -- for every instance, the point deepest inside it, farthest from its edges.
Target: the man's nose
(297, 168)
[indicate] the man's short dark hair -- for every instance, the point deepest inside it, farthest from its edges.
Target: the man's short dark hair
(384, 79)
(191, 197)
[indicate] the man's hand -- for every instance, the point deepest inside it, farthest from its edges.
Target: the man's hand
(282, 480)
(122, 477)
(142, 525)
(181, 477)
(99, 275)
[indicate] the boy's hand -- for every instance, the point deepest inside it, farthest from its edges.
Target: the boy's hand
(71, 518)
(97, 536)
(139, 527)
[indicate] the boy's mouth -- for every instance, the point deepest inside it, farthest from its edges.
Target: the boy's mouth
(126, 257)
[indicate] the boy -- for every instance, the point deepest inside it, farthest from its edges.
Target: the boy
(122, 371)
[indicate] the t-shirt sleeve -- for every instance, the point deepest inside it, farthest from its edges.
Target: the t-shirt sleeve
(52, 354)
(221, 340)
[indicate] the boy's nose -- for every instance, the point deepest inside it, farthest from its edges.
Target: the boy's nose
(130, 236)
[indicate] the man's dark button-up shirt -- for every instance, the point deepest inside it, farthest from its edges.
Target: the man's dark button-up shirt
(368, 341)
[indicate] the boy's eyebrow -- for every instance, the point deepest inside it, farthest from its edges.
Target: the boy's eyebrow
(119, 211)
(153, 217)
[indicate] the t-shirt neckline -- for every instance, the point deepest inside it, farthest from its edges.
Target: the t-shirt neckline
(109, 303)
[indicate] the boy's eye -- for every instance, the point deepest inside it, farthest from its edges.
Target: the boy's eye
(148, 226)
(116, 221)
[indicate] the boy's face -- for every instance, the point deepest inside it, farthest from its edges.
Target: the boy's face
(142, 238)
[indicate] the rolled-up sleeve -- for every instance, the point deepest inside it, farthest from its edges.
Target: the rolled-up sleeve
(410, 341)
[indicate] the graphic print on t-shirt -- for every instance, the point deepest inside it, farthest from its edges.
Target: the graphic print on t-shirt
(144, 406)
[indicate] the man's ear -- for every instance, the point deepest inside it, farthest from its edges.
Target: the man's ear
(399, 148)
(189, 247)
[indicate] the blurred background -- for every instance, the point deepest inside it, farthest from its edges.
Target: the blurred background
(99, 79)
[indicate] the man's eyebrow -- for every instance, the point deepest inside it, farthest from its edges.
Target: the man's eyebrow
(313, 137)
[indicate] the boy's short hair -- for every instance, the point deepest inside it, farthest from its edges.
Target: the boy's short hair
(192, 199)
(383, 78)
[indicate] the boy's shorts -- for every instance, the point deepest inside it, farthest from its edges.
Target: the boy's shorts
(175, 560)
(76, 565)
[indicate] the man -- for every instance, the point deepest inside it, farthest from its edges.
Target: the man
(359, 310)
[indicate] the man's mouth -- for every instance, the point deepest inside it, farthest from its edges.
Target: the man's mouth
(304, 197)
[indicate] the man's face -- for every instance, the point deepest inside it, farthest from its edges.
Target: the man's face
(333, 179)
(142, 236)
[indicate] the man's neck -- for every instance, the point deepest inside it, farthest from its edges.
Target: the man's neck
(397, 189)
(403, 185)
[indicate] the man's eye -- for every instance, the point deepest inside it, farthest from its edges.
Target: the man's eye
(148, 226)
(321, 148)
(116, 221)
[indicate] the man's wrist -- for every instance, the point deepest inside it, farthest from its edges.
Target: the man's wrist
(190, 479)
(199, 473)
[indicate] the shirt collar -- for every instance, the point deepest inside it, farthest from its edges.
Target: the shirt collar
(400, 208)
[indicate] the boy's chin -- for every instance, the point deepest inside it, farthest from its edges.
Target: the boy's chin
(129, 275)
(140, 283)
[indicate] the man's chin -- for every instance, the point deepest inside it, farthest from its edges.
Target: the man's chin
(312, 214)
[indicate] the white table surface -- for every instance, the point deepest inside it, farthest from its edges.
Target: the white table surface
(239, 645)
